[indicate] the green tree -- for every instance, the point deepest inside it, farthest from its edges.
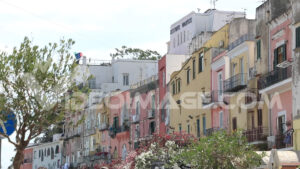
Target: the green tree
(135, 53)
(221, 151)
(34, 82)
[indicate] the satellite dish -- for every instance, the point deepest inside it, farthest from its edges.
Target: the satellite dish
(8, 123)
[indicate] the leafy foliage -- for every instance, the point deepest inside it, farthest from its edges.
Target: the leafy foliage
(221, 150)
(135, 53)
(34, 82)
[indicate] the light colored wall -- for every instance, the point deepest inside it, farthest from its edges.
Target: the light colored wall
(47, 161)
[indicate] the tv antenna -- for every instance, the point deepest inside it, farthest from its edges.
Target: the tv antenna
(245, 12)
(213, 3)
(198, 9)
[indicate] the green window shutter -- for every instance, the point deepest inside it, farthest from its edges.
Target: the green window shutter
(298, 37)
(284, 51)
(258, 48)
(275, 59)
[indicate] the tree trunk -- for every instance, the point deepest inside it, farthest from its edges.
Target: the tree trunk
(18, 159)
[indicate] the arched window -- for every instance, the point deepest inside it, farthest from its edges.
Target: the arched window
(56, 149)
(124, 152)
(48, 152)
(52, 153)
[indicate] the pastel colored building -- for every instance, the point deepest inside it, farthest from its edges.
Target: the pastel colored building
(188, 86)
(276, 85)
(145, 115)
(296, 72)
(119, 124)
(28, 157)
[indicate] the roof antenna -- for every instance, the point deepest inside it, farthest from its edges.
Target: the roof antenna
(198, 10)
(213, 3)
(245, 13)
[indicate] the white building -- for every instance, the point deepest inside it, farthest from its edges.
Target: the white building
(182, 31)
(48, 155)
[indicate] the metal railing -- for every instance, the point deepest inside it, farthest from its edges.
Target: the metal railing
(103, 126)
(257, 134)
(240, 40)
(212, 97)
(275, 76)
(281, 141)
(235, 83)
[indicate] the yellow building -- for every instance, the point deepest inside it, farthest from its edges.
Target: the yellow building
(240, 85)
(188, 84)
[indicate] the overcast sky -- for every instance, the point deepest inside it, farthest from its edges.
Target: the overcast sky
(99, 26)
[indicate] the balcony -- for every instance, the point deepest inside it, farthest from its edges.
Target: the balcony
(259, 134)
(135, 118)
(240, 40)
(281, 141)
(210, 131)
(275, 76)
(235, 83)
(151, 114)
(103, 126)
(212, 97)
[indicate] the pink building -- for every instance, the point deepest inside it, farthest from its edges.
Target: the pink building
(215, 99)
(119, 121)
(276, 84)
(162, 85)
(28, 156)
(145, 116)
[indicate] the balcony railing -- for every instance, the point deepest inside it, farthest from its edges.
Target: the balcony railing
(210, 131)
(103, 126)
(151, 114)
(212, 97)
(235, 83)
(240, 40)
(256, 134)
(135, 118)
(284, 140)
(274, 77)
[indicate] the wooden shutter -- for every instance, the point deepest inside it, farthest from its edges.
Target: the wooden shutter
(298, 37)
(275, 59)
(284, 51)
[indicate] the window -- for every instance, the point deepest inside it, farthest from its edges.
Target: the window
(179, 127)
(279, 55)
(116, 122)
(234, 124)
(151, 127)
(173, 88)
(48, 152)
(163, 114)
(298, 37)
(137, 108)
(201, 63)
(259, 118)
(281, 124)
(204, 125)
(153, 102)
(164, 79)
(221, 119)
(188, 129)
(113, 79)
(178, 86)
(137, 131)
(194, 71)
(220, 84)
(184, 36)
(258, 49)
(188, 76)
(125, 79)
(174, 43)
(198, 127)
(56, 149)
(178, 39)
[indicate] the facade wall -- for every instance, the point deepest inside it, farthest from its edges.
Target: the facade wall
(162, 88)
(48, 155)
(28, 158)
